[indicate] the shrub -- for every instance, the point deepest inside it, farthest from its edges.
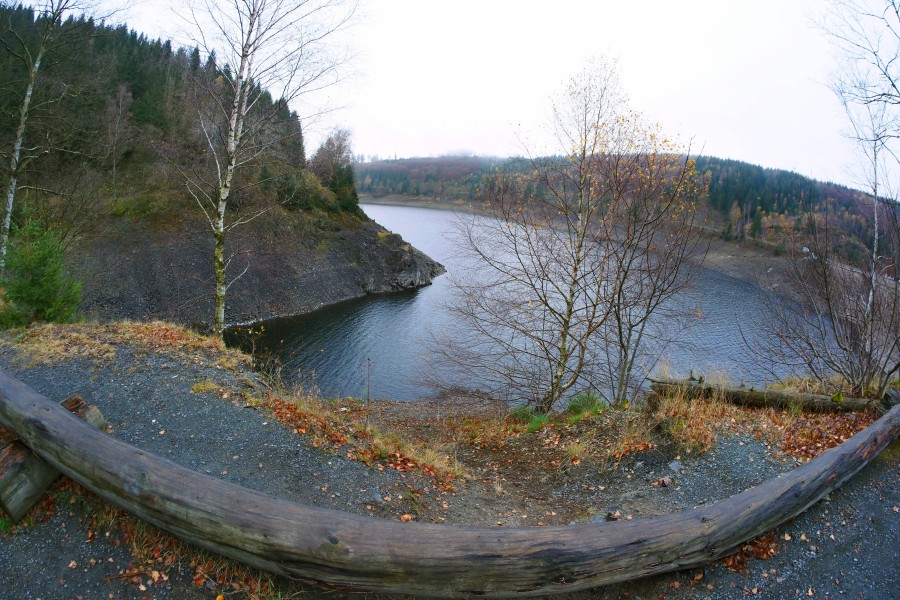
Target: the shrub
(537, 422)
(34, 284)
(304, 191)
(727, 233)
(521, 414)
(585, 403)
(287, 192)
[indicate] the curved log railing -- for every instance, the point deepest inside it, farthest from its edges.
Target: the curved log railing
(288, 538)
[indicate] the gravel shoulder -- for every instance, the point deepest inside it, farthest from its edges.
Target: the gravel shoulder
(845, 546)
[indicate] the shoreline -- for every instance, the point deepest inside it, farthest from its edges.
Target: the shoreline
(754, 263)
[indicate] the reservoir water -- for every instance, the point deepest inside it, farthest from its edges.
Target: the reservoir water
(381, 343)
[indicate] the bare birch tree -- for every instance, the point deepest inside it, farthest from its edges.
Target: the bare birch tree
(268, 49)
(845, 329)
(36, 51)
(653, 252)
(578, 245)
(118, 128)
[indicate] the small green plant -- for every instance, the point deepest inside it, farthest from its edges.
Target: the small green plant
(521, 414)
(677, 425)
(5, 525)
(584, 404)
(206, 387)
(794, 408)
(537, 422)
(34, 284)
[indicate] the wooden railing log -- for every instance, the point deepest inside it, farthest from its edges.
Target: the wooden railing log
(25, 476)
(763, 397)
(417, 558)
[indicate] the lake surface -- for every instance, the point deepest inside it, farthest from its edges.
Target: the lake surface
(381, 343)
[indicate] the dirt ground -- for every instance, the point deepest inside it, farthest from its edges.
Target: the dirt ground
(450, 461)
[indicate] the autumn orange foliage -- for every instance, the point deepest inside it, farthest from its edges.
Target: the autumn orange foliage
(338, 433)
(808, 435)
(762, 548)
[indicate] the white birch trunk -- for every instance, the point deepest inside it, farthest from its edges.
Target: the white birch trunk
(242, 87)
(15, 159)
(219, 269)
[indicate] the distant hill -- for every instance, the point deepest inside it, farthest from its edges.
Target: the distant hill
(743, 201)
(443, 178)
(730, 182)
(771, 190)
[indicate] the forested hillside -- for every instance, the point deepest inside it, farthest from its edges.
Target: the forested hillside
(742, 200)
(118, 111)
(730, 182)
(444, 178)
(108, 140)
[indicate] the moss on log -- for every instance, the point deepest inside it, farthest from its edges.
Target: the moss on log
(418, 558)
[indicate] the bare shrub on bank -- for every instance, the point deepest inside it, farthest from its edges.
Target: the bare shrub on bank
(580, 251)
(844, 328)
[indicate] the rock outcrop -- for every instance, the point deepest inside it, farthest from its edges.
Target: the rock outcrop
(284, 263)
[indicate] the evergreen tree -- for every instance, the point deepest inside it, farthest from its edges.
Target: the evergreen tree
(333, 164)
(756, 225)
(34, 282)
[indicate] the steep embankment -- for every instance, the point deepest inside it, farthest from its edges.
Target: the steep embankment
(282, 263)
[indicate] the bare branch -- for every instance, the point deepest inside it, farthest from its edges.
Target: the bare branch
(270, 49)
(581, 250)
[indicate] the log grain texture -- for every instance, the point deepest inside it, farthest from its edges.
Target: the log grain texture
(763, 397)
(417, 558)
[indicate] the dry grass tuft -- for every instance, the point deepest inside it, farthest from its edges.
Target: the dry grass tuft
(207, 387)
(808, 385)
(481, 432)
(691, 421)
(49, 343)
(631, 432)
(342, 426)
(576, 450)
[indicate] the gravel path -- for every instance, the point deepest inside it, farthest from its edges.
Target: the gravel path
(845, 547)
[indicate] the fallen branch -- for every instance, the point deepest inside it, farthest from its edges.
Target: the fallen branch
(762, 397)
(284, 537)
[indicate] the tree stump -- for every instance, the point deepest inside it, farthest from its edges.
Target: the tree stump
(24, 476)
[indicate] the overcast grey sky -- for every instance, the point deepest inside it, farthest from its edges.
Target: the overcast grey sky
(744, 80)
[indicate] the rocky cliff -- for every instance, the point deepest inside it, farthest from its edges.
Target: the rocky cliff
(282, 263)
